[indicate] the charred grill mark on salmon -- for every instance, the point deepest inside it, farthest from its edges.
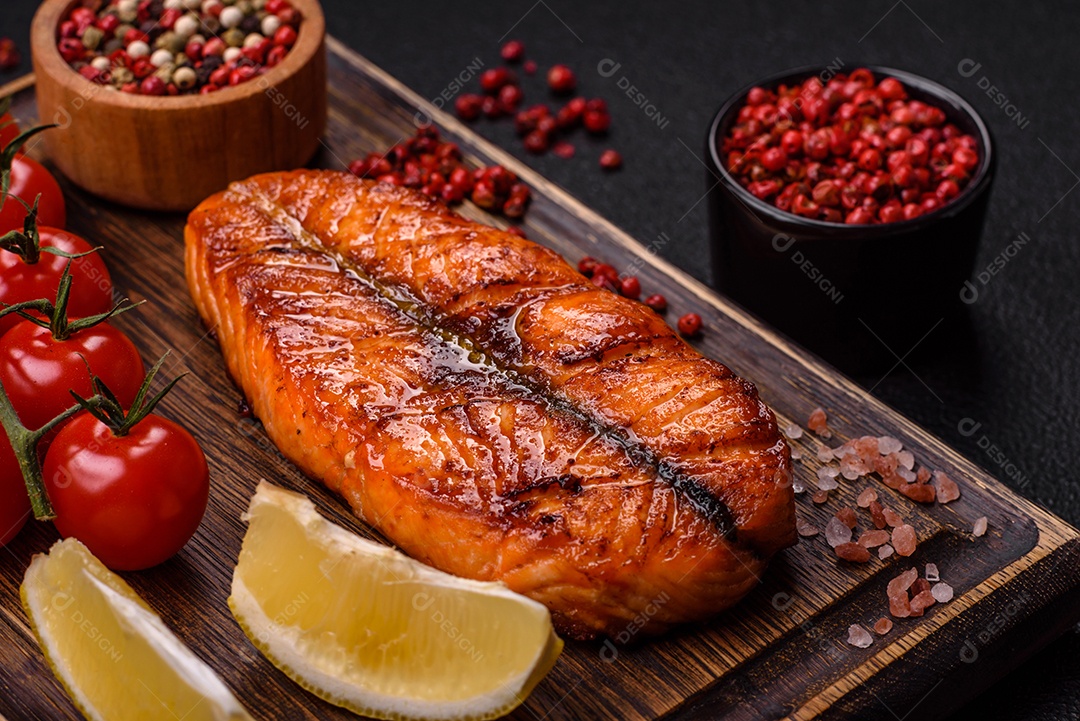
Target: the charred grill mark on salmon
(414, 310)
(486, 408)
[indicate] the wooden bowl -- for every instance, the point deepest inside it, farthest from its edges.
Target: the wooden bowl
(169, 153)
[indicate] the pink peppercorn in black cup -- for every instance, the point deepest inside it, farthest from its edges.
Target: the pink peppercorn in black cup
(842, 288)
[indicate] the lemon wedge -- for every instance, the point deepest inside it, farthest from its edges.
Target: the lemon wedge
(365, 627)
(115, 657)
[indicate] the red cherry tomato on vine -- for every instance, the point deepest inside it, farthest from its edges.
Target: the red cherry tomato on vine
(8, 129)
(14, 503)
(38, 371)
(91, 287)
(29, 179)
(134, 500)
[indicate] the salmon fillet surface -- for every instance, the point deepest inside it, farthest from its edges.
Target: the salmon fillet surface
(486, 407)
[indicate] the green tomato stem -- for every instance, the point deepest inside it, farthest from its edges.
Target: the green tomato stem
(27, 243)
(25, 442)
(56, 314)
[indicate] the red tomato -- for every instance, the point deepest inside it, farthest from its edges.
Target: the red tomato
(91, 286)
(7, 132)
(38, 371)
(134, 500)
(28, 179)
(14, 502)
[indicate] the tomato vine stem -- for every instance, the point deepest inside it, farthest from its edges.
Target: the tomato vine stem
(24, 443)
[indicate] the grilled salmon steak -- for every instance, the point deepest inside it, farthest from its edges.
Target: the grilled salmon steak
(488, 409)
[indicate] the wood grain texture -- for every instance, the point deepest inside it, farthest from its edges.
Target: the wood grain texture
(780, 653)
(169, 153)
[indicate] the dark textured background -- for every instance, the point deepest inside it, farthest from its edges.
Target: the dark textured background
(1018, 377)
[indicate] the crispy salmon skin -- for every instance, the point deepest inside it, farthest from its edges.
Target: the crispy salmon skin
(486, 407)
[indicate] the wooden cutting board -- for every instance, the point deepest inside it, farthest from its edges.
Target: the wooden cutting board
(780, 653)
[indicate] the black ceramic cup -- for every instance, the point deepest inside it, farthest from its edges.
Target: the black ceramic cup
(860, 296)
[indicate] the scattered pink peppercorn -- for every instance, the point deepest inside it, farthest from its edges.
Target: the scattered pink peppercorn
(561, 79)
(513, 51)
(610, 160)
(9, 55)
(690, 324)
(492, 79)
(491, 106)
(437, 169)
(597, 121)
(657, 302)
(536, 142)
(563, 149)
(510, 97)
(630, 287)
(468, 106)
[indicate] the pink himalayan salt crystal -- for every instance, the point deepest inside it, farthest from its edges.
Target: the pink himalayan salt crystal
(886, 465)
(828, 472)
(923, 475)
(828, 484)
(851, 467)
(866, 448)
(873, 539)
(906, 459)
(864, 499)
(859, 637)
(888, 444)
(899, 605)
(893, 518)
(805, 528)
(877, 514)
(853, 552)
(947, 490)
(819, 423)
(793, 431)
(903, 581)
(919, 492)
(825, 454)
(942, 592)
(885, 551)
(837, 533)
(920, 585)
(920, 602)
(827, 478)
(893, 481)
(820, 497)
(906, 474)
(932, 573)
(904, 540)
(796, 454)
(979, 528)
(883, 626)
(847, 516)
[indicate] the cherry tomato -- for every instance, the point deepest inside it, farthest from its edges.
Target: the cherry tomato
(91, 286)
(134, 500)
(29, 179)
(38, 371)
(14, 503)
(8, 129)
